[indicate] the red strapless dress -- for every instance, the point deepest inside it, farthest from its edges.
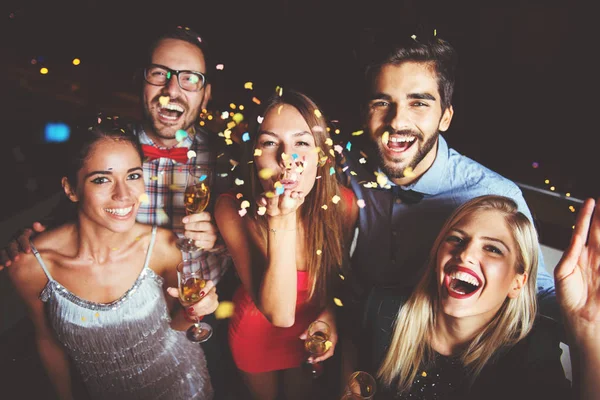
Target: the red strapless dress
(257, 345)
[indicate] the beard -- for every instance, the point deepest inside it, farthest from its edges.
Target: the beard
(158, 128)
(394, 168)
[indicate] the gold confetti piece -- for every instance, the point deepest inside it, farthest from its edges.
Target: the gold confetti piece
(191, 154)
(239, 181)
(144, 199)
(164, 100)
(279, 90)
(385, 138)
(336, 199)
(231, 124)
(382, 180)
(361, 203)
(332, 152)
(245, 204)
(261, 210)
(257, 152)
(97, 315)
(324, 206)
(328, 142)
(319, 252)
(328, 345)
(284, 156)
(83, 319)
(409, 173)
(279, 109)
(357, 133)
(338, 302)
(248, 85)
(269, 195)
(239, 196)
(255, 100)
(342, 277)
(228, 142)
(318, 113)
(423, 373)
(353, 173)
(224, 310)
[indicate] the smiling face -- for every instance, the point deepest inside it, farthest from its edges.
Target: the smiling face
(477, 266)
(179, 108)
(109, 185)
(288, 150)
(404, 118)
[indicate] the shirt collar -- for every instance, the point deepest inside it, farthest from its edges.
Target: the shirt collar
(145, 139)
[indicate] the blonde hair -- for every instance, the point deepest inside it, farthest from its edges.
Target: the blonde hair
(322, 227)
(410, 347)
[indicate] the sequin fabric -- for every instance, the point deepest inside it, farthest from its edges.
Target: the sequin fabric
(126, 349)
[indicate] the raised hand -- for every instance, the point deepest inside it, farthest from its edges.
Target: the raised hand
(20, 245)
(201, 229)
(577, 278)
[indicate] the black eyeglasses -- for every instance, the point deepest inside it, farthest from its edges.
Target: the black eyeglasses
(159, 75)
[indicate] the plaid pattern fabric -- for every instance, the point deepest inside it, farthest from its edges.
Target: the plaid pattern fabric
(165, 185)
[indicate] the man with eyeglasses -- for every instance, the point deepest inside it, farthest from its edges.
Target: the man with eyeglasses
(174, 91)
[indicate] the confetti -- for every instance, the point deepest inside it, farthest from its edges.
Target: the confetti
(328, 345)
(360, 203)
(191, 154)
(239, 182)
(362, 160)
(348, 146)
(385, 138)
(324, 206)
(220, 67)
(338, 302)
(382, 180)
(262, 210)
(242, 212)
(248, 85)
(43, 70)
(328, 142)
(255, 100)
(317, 129)
(245, 136)
(423, 374)
(265, 173)
(245, 204)
(97, 315)
(318, 113)
(180, 135)
(336, 199)
(358, 133)
(339, 149)
(409, 173)
(224, 115)
(144, 199)
(76, 61)
(257, 152)
(279, 190)
(331, 171)
(238, 117)
(279, 90)
(164, 100)
(239, 196)
(231, 124)
(342, 277)
(224, 310)
(319, 252)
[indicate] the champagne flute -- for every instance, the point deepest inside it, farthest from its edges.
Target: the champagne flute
(317, 343)
(191, 283)
(195, 198)
(361, 386)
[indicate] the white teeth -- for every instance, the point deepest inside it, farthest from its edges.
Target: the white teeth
(396, 139)
(119, 211)
(463, 276)
(173, 107)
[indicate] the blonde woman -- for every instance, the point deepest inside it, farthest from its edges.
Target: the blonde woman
(287, 243)
(469, 330)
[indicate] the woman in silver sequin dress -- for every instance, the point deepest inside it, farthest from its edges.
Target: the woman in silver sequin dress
(94, 287)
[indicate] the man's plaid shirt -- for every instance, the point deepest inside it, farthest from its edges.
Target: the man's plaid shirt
(165, 185)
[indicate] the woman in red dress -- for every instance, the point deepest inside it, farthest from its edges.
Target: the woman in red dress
(287, 236)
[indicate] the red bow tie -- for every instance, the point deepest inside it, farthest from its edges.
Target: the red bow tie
(178, 154)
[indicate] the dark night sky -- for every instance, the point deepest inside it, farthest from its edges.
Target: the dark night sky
(523, 92)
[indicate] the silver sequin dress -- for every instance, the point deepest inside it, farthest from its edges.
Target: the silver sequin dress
(126, 349)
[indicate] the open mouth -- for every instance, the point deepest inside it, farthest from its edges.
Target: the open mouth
(170, 112)
(462, 283)
(119, 212)
(398, 143)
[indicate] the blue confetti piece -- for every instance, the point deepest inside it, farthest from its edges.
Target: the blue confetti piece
(348, 146)
(180, 135)
(294, 156)
(331, 171)
(245, 136)
(203, 177)
(279, 190)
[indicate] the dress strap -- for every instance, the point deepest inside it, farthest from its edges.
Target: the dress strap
(37, 255)
(150, 247)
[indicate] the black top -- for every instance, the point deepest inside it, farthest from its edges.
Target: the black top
(529, 370)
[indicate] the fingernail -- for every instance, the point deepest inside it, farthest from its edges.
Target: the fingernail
(190, 310)
(202, 293)
(185, 220)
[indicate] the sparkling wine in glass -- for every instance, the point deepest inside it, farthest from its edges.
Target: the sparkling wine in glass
(195, 198)
(361, 386)
(317, 343)
(191, 283)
